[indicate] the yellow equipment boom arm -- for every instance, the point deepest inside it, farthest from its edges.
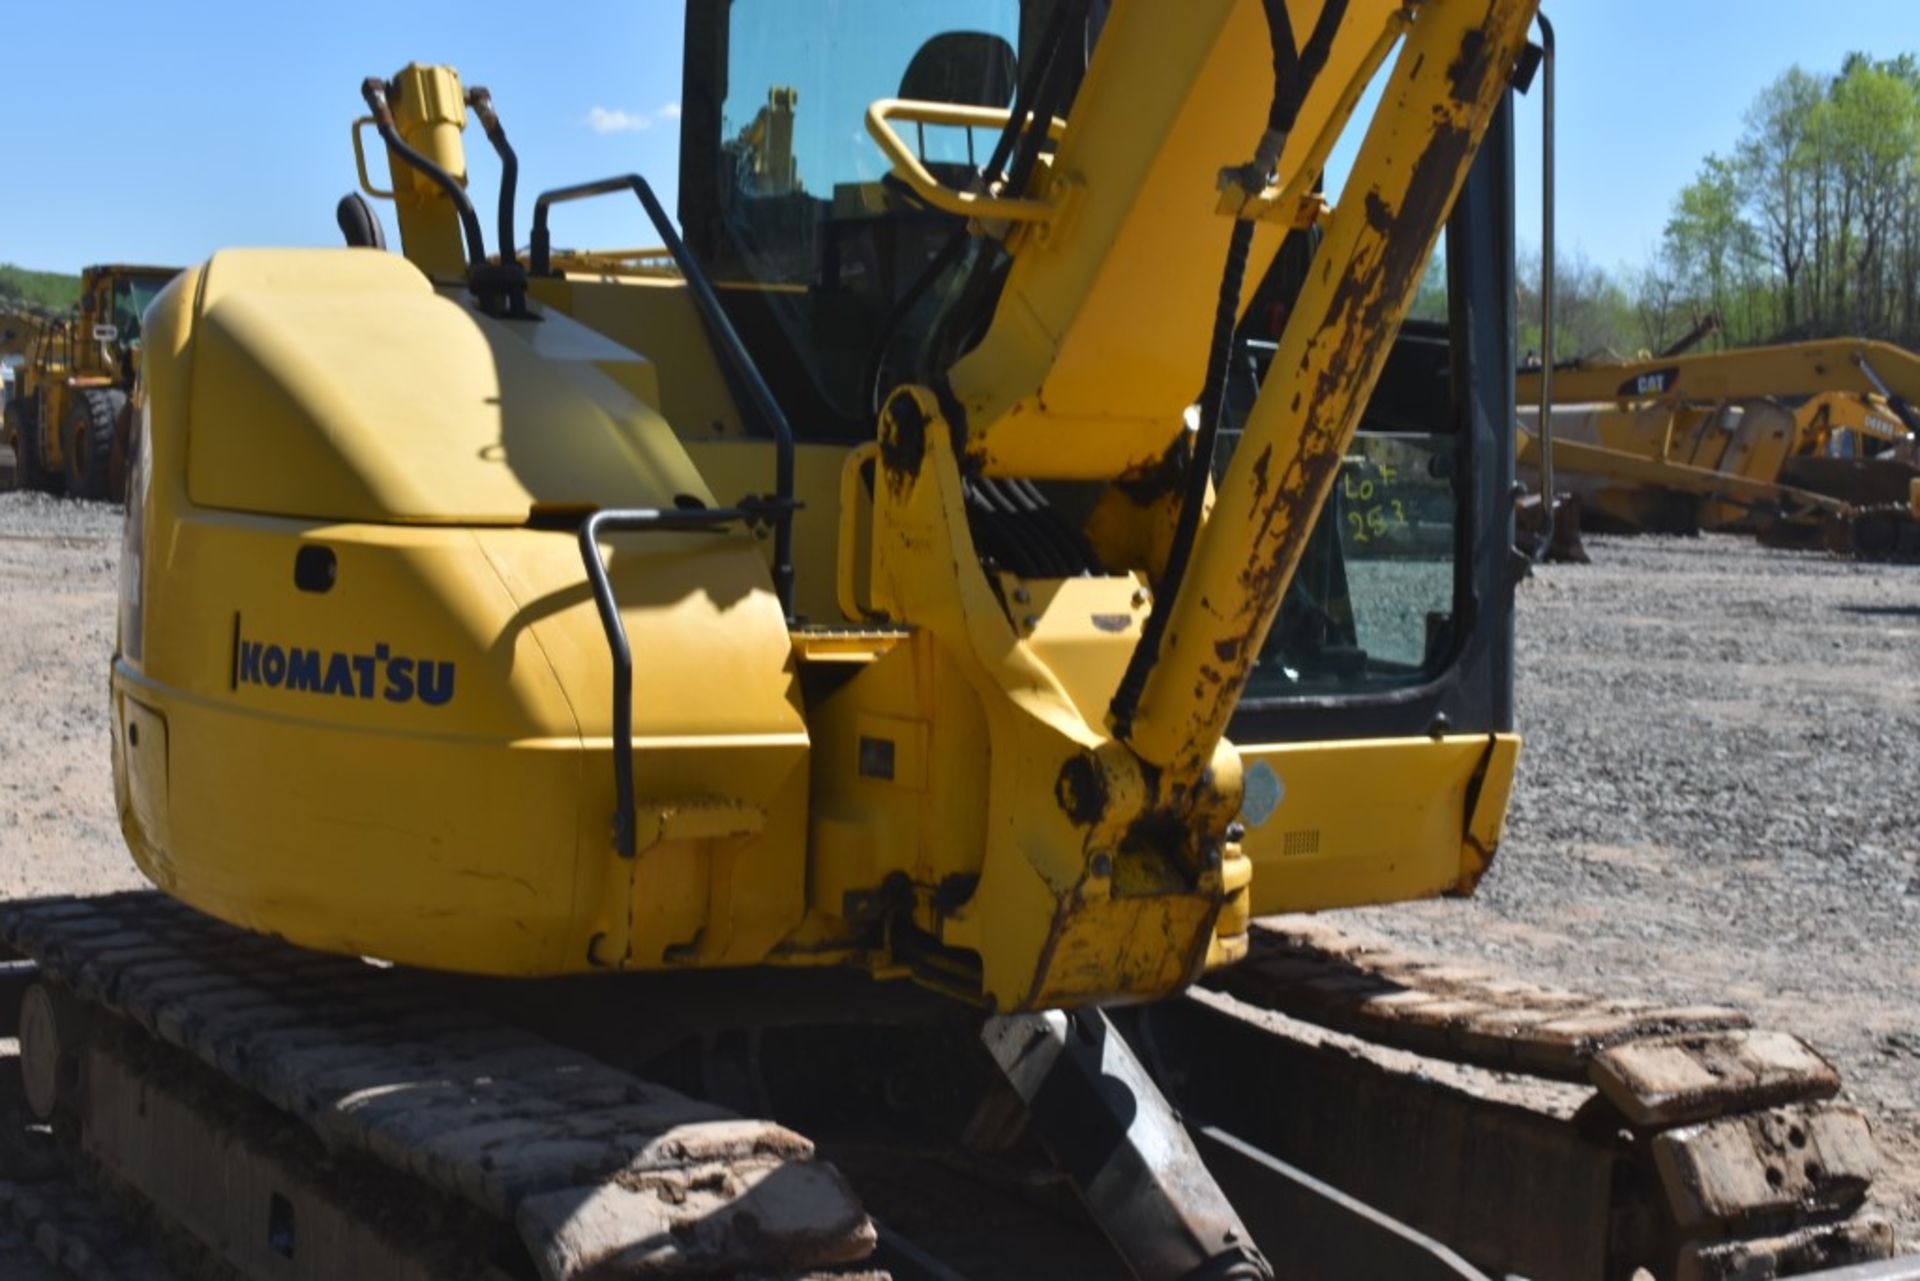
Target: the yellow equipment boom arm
(1850, 365)
(1456, 67)
(1101, 331)
(1096, 349)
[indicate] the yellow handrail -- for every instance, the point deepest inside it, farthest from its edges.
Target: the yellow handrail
(907, 165)
(360, 161)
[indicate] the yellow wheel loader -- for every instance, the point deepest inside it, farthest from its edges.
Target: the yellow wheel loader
(762, 756)
(68, 421)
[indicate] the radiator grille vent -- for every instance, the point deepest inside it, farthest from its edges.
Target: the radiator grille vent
(1297, 844)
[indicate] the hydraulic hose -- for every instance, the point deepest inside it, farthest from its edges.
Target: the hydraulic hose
(1294, 73)
(978, 292)
(743, 377)
(374, 90)
(482, 103)
(1293, 77)
(1052, 85)
(1226, 318)
(1052, 41)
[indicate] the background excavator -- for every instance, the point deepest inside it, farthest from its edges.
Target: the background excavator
(1807, 444)
(67, 423)
(865, 664)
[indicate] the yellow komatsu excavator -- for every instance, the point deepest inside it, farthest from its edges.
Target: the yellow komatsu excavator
(1807, 443)
(865, 664)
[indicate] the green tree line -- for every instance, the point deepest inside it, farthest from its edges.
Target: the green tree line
(43, 289)
(1809, 227)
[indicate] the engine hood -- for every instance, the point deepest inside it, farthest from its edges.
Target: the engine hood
(337, 384)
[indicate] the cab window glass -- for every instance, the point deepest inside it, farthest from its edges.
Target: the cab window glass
(1373, 605)
(815, 249)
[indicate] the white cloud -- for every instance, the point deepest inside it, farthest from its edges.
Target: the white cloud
(618, 120)
(607, 120)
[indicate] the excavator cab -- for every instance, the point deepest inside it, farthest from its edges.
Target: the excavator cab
(113, 300)
(831, 267)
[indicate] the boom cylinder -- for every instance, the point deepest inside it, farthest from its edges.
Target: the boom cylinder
(429, 111)
(1452, 74)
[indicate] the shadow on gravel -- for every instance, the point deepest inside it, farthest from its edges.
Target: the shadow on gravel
(1882, 611)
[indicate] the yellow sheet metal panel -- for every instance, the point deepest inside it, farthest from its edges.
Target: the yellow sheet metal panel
(559, 338)
(1082, 629)
(1758, 436)
(1487, 800)
(335, 384)
(415, 763)
(140, 747)
(1380, 821)
(317, 738)
(734, 467)
(655, 317)
(901, 779)
(279, 830)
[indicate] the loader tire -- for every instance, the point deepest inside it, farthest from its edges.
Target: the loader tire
(93, 415)
(23, 437)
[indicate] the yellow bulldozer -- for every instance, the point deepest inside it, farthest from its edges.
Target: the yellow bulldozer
(1803, 444)
(67, 422)
(763, 756)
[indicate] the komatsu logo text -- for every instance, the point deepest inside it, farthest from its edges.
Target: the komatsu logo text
(381, 674)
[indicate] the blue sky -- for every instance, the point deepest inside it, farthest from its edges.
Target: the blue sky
(232, 124)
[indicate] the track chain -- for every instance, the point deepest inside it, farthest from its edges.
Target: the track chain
(1885, 532)
(1760, 1172)
(600, 1172)
(76, 1234)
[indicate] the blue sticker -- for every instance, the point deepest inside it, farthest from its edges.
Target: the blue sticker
(1262, 795)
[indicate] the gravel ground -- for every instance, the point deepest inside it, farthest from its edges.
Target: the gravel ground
(1717, 798)
(57, 576)
(1717, 802)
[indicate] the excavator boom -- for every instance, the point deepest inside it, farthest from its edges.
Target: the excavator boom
(1805, 442)
(1455, 68)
